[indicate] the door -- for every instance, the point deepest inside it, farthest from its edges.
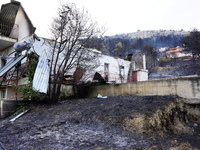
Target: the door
(135, 76)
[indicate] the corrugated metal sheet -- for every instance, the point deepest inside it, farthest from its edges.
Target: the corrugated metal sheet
(41, 76)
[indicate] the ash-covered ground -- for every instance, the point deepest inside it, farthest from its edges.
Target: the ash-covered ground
(177, 69)
(152, 122)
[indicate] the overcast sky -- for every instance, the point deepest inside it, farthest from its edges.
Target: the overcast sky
(121, 16)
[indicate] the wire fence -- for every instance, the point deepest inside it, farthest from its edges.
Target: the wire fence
(108, 77)
(5, 29)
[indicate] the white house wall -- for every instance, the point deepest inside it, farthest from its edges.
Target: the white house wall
(113, 70)
(142, 75)
(22, 24)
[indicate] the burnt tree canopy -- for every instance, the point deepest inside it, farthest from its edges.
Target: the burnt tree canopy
(70, 31)
(192, 42)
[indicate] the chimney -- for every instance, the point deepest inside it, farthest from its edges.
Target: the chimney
(144, 62)
(134, 66)
(12, 1)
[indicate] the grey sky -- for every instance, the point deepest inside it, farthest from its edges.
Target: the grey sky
(121, 16)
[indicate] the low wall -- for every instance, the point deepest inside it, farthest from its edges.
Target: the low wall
(8, 107)
(186, 87)
(66, 91)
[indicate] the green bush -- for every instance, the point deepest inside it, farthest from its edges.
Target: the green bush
(163, 61)
(27, 90)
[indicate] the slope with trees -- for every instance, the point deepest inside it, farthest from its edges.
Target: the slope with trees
(135, 41)
(192, 43)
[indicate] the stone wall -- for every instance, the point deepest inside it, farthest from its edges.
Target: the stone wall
(185, 87)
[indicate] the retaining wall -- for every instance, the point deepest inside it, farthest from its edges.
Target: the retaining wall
(185, 87)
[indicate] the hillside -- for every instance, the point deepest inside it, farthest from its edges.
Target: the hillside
(150, 33)
(177, 69)
(135, 41)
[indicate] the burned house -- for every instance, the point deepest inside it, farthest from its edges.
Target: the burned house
(15, 29)
(15, 25)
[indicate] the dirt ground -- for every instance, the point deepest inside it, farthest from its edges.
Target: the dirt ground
(150, 123)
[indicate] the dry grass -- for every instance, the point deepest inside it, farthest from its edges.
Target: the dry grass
(159, 122)
(135, 124)
(183, 146)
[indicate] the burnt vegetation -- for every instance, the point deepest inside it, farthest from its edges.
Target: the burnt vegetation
(150, 122)
(130, 44)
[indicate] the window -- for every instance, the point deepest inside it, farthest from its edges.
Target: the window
(121, 70)
(3, 93)
(106, 71)
(121, 73)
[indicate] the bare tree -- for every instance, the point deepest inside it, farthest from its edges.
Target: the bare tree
(137, 59)
(70, 31)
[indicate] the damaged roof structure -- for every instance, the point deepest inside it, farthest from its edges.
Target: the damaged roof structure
(16, 29)
(15, 26)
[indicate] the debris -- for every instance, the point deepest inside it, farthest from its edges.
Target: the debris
(111, 82)
(99, 78)
(12, 120)
(195, 125)
(41, 76)
(99, 96)
(2, 146)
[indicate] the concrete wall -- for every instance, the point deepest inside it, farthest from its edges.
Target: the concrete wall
(66, 91)
(8, 104)
(8, 107)
(142, 75)
(186, 87)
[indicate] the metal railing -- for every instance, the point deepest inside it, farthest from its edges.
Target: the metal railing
(5, 29)
(109, 77)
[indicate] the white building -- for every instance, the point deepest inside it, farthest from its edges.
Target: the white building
(110, 68)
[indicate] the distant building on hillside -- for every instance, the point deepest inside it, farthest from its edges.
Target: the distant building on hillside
(178, 52)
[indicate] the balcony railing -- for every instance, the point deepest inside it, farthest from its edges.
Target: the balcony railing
(5, 29)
